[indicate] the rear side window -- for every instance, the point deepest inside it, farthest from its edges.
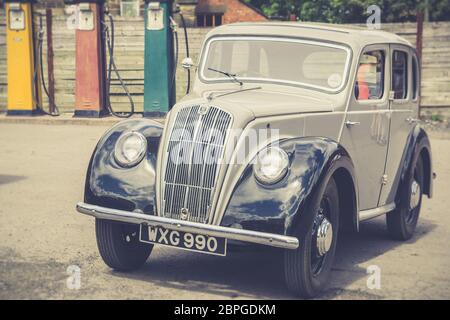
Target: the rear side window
(400, 74)
(415, 78)
(369, 83)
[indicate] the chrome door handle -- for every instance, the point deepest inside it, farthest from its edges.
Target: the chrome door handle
(352, 123)
(411, 120)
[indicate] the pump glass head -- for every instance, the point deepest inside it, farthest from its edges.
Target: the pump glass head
(16, 17)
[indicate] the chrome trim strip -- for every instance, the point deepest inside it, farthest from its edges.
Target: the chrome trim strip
(268, 239)
(372, 213)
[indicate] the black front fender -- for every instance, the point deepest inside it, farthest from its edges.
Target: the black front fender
(277, 208)
(110, 185)
(417, 144)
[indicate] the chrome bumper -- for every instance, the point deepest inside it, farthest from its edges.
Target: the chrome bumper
(269, 239)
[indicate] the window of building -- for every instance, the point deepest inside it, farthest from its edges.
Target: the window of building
(218, 19)
(209, 19)
(369, 83)
(400, 74)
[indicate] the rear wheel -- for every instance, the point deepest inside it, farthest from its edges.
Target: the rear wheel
(119, 245)
(402, 222)
(308, 267)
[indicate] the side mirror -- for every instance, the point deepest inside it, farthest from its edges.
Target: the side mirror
(187, 63)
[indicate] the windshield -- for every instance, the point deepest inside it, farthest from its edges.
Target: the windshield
(306, 63)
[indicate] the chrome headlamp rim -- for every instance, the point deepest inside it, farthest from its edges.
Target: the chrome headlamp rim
(118, 148)
(281, 174)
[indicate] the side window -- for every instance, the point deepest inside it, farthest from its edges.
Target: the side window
(400, 74)
(369, 83)
(415, 78)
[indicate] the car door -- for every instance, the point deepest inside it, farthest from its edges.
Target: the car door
(366, 131)
(404, 86)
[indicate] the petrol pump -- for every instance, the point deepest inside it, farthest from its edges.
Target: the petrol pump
(160, 58)
(92, 70)
(90, 100)
(24, 94)
(95, 37)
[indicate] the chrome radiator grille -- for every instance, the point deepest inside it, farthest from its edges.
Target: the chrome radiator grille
(193, 156)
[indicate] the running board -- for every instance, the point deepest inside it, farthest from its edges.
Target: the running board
(372, 213)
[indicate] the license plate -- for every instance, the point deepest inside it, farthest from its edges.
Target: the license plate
(183, 240)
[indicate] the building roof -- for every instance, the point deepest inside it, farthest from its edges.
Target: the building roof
(207, 7)
(253, 8)
(210, 8)
(351, 35)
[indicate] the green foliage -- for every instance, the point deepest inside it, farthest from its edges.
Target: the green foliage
(352, 11)
(437, 117)
(277, 8)
(439, 10)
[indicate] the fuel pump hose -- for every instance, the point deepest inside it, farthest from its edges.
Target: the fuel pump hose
(39, 67)
(109, 37)
(186, 41)
(175, 58)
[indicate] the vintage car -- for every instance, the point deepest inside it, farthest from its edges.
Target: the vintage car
(292, 134)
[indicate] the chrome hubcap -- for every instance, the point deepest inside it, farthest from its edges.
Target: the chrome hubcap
(415, 195)
(324, 236)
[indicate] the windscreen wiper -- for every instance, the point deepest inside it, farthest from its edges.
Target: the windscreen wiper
(232, 76)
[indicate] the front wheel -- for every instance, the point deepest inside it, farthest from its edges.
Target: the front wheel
(308, 267)
(119, 245)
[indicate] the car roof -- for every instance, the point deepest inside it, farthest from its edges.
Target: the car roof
(353, 36)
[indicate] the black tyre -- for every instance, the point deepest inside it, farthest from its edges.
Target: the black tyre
(307, 269)
(402, 222)
(119, 245)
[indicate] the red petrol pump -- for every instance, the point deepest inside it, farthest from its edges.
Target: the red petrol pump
(90, 79)
(92, 70)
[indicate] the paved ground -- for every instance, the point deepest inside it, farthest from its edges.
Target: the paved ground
(42, 171)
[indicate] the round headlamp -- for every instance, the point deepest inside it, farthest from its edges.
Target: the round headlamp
(130, 149)
(271, 165)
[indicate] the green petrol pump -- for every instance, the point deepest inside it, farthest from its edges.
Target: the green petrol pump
(160, 61)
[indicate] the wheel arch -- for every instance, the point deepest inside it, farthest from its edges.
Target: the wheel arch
(348, 199)
(280, 208)
(110, 185)
(417, 144)
(425, 155)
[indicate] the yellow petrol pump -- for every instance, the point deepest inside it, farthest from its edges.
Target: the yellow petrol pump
(23, 81)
